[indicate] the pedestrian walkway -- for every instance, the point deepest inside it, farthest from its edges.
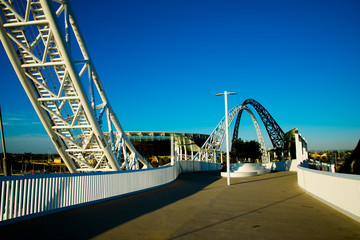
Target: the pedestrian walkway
(199, 206)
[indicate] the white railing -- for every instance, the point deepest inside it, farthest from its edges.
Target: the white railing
(327, 167)
(195, 166)
(340, 191)
(29, 196)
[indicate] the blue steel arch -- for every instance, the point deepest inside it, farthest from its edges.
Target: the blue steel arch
(276, 134)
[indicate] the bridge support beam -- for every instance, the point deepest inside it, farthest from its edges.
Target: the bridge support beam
(301, 149)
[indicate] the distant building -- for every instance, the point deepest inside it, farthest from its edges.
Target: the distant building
(152, 143)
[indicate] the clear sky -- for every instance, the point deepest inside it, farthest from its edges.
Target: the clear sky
(162, 62)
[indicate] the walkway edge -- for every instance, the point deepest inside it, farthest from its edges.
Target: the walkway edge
(339, 191)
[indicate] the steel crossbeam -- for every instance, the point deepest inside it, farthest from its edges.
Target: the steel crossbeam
(45, 46)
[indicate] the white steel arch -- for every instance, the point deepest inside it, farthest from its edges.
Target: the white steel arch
(259, 135)
(212, 146)
(45, 46)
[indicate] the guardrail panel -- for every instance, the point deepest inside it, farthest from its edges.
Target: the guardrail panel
(341, 191)
(27, 195)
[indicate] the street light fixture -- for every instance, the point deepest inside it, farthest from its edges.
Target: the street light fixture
(227, 133)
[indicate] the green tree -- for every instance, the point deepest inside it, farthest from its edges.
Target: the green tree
(245, 149)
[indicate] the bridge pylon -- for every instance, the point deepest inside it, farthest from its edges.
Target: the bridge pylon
(44, 44)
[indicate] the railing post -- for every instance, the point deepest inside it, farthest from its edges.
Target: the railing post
(172, 149)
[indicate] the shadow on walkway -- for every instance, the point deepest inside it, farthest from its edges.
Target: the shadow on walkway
(215, 225)
(199, 206)
(89, 221)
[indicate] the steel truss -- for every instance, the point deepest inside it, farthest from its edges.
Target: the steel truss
(211, 147)
(259, 135)
(44, 44)
(276, 134)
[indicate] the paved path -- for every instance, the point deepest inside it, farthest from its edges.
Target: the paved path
(199, 206)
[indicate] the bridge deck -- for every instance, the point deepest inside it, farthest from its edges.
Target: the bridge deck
(200, 206)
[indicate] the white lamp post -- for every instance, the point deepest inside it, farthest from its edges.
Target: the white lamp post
(227, 133)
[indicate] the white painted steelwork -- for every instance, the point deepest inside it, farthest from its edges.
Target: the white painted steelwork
(24, 197)
(212, 146)
(45, 46)
(264, 158)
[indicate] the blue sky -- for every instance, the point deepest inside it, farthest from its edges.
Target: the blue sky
(162, 62)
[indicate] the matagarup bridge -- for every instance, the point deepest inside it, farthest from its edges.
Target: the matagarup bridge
(46, 48)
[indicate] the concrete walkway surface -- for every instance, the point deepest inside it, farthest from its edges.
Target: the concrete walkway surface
(199, 206)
